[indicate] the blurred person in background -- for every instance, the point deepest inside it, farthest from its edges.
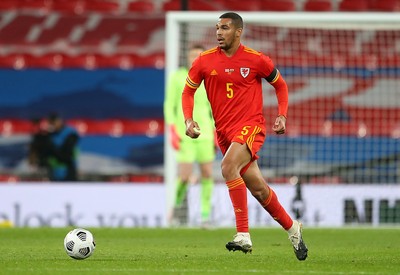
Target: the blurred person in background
(63, 150)
(191, 151)
(39, 145)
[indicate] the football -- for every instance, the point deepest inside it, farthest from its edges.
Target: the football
(79, 243)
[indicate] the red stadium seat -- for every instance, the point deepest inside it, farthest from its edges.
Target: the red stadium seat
(171, 5)
(132, 31)
(102, 6)
(74, 6)
(155, 60)
(232, 5)
(199, 5)
(353, 5)
(61, 29)
(124, 62)
(49, 61)
(36, 4)
(16, 31)
(278, 5)
(387, 5)
(70, 6)
(86, 61)
(141, 6)
(204, 5)
(318, 5)
(13, 61)
(8, 5)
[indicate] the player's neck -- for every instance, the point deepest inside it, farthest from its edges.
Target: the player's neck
(231, 51)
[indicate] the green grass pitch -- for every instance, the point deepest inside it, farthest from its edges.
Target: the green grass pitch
(196, 251)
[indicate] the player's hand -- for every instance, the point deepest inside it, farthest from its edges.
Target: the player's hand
(279, 125)
(175, 138)
(192, 128)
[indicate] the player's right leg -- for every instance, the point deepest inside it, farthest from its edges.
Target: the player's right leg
(235, 158)
(241, 242)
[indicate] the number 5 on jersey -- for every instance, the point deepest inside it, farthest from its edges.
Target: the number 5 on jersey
(229, 90)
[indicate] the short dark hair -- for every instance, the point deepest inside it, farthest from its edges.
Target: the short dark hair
(236, 19)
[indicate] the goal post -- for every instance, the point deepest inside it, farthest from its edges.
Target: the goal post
(343, 73)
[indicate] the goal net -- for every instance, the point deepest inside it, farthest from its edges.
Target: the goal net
(343, 74)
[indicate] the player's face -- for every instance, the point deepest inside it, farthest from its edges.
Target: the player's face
(227, 34)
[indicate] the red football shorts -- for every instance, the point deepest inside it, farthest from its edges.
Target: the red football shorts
(251, 135)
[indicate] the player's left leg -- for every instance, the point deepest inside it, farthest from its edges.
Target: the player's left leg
(269, 201)
(266, 196)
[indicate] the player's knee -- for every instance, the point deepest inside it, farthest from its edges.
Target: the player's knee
(229, 170)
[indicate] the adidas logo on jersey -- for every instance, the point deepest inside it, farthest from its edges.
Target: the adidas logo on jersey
(214, 72)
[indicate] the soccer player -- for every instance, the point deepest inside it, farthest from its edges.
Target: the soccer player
(232, 75)
(191, 151)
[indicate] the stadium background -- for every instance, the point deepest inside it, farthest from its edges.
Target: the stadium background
(101, 64)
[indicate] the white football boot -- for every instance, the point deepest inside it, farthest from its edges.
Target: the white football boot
(242, 242)
(295, 237)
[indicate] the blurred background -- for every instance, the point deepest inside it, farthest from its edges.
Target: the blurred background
(100, 65)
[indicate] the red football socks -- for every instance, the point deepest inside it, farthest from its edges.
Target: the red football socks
(275, 209)
(238, 194)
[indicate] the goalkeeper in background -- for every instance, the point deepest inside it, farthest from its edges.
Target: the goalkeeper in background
(191, 151)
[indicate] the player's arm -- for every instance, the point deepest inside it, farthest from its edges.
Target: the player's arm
(281, 90)
(192, 128)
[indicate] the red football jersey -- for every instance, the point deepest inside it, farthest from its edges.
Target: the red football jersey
(233, 85)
